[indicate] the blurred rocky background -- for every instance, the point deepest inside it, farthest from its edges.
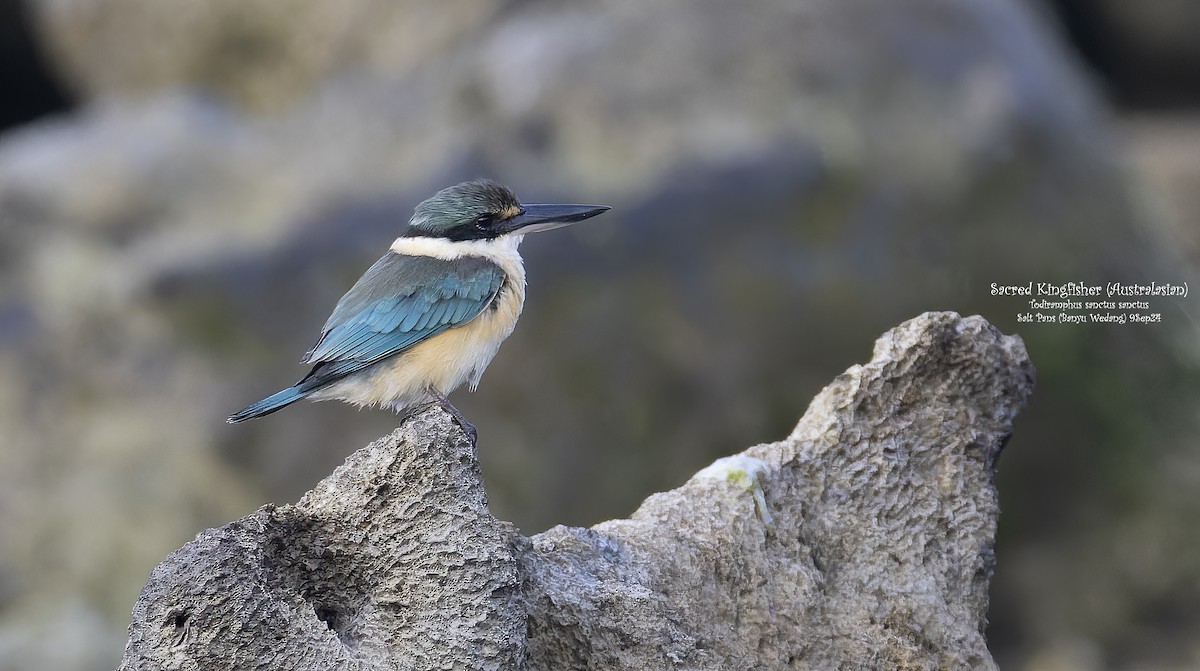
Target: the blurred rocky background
(186, 188)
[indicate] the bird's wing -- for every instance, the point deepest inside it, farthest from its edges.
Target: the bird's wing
(397, 303)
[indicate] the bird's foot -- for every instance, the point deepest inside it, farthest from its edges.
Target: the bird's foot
(467, 427)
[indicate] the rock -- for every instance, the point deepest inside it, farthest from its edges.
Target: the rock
(862, 540)
(262, 54)
(392, 562)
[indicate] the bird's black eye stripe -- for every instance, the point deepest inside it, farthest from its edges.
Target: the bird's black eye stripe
(483, 221)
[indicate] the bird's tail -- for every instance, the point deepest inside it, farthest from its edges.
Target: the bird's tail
(268, 405)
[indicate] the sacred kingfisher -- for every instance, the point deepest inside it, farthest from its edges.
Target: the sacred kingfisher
(432, 312)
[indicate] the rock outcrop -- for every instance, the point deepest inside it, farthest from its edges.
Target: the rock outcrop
(862, 540)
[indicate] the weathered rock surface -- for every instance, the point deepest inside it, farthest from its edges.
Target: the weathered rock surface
(392, 562)
(862, 540)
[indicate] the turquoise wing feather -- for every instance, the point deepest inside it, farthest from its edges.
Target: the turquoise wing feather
(398, 302)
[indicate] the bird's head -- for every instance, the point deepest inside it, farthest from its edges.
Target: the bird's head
(484, 210)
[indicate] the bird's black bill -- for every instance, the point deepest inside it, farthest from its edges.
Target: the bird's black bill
(547, 217)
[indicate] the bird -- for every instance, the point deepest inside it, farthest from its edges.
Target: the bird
(432, 312)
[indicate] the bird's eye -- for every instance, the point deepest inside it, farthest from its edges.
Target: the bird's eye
(483, 221)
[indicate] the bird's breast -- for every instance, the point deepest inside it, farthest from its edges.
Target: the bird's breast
(456, 355)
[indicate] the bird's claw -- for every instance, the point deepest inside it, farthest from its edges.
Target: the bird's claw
(467, 427)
